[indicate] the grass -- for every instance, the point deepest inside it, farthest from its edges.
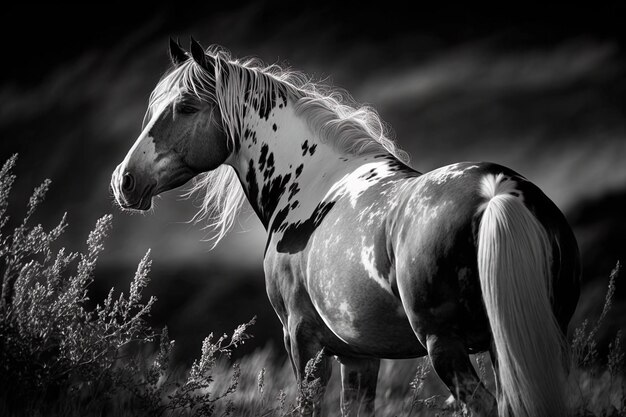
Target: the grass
(59, 357)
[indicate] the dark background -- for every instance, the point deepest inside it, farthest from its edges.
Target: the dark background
(541, 90)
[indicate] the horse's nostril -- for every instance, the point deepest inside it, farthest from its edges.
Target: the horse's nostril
(128, 183)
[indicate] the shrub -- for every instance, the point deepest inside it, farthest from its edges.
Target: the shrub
(51, 345)
(57, 356)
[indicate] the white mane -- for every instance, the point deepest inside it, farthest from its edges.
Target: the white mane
(333, 113)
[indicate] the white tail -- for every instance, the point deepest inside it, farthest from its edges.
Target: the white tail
(514, 257)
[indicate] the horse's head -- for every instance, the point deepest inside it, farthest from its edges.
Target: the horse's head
(183, 135)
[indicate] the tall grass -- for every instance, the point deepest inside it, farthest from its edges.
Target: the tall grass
(597, 384)
(59, 357)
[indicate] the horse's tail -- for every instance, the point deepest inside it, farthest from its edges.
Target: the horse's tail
(514, 263)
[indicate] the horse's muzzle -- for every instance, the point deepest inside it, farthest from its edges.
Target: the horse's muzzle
(128, 193)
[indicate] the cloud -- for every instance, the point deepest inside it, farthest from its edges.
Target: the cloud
(480, 68)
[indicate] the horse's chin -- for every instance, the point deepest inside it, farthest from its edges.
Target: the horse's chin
(141, 205)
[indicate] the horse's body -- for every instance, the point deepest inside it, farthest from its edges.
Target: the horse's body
(406, 238)
(367, 258)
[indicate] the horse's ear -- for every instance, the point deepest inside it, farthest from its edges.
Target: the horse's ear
(177, 53)
(201, 58)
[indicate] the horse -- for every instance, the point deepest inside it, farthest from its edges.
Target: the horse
(366, 258)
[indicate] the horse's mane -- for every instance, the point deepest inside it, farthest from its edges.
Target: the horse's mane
(332, 112)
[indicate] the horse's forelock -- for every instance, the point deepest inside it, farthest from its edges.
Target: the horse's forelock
(218, 191)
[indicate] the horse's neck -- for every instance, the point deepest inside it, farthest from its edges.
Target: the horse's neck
(281, 162)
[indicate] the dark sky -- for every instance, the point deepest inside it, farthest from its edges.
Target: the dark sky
(45, 35)
(542, 90)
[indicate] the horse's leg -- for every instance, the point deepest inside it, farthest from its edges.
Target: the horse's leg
(452, 364)
(287, 341)
(312, 384)
(358, 385)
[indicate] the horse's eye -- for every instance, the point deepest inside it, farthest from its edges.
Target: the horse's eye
(185, 109)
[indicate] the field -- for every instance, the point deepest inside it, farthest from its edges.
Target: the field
(63, 354)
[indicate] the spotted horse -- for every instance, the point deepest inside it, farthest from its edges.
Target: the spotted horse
(367, 258)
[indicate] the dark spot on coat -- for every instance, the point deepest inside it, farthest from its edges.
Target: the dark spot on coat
(371, 174)
(268, 173)
(272, 191)
(274, 127)
(293, 190)
(299, 170)
(296, 235)
(263, 156)
(312, 149)
(280, 217)
(305, 147)
(253, 187)
(270, 168)
(395, 165)
(249, 134)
